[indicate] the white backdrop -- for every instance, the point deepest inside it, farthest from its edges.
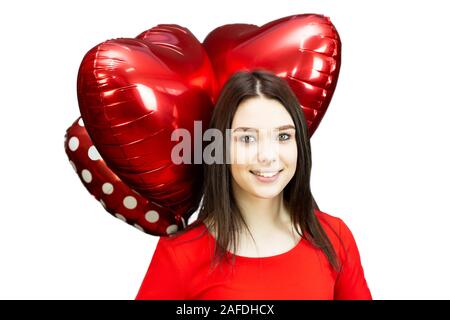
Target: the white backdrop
(380, 155)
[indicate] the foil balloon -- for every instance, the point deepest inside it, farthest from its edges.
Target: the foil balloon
(133, 93)
(116, 197)
(303, 49)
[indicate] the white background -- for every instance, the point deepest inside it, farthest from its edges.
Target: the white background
(380, 155)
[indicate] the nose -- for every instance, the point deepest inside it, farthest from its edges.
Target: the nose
(267, 151)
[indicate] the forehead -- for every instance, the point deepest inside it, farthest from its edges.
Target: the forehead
(261, 112)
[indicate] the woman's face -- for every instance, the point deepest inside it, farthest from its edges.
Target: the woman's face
(263, 149)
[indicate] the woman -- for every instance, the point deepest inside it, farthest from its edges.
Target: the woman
(258, 234)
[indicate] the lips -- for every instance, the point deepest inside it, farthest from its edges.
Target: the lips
(266, 173)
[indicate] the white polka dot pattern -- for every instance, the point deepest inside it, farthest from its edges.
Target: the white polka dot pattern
(73, 143)
(107, 188)
(123, 202)
(121, 217)
(93, 153)
(73, 165)
(130, 202)
(87, 176)
(172, 229)
(152, 216)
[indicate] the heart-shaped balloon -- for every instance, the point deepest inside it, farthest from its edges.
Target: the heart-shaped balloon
(303, 49)
(133, 93)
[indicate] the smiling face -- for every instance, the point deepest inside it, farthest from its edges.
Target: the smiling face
(263, 149)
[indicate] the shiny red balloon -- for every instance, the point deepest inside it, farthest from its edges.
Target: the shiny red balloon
(116, 197)
(133, 93)
(303, 49)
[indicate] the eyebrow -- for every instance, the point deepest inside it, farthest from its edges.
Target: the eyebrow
(285, 127)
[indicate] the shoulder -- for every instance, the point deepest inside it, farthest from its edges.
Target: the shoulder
(188, 244)
(327, 220)
(336, 229)
(190, 233)
(330, 223)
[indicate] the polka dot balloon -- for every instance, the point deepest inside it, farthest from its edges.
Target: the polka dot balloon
(115, 196)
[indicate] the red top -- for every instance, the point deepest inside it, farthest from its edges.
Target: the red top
(179, 270)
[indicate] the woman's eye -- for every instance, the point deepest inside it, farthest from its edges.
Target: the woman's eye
(247, 139)
(284, 136)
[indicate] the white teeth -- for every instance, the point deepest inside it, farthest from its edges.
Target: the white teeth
(266, 174)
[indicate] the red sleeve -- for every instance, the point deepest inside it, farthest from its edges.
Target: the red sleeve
(163, 280)
(350, 283)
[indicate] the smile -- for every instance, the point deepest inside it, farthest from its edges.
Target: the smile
(266, 176)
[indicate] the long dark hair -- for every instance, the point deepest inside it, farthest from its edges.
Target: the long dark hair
(219, 209)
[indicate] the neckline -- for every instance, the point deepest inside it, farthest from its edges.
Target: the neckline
(245, 258)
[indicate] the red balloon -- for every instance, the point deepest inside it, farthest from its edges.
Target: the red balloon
(133, 93)
(303, 49)
(116, 197)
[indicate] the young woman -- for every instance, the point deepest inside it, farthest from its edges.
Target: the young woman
(258, 234)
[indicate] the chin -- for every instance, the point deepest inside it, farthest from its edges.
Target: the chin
(266, 194)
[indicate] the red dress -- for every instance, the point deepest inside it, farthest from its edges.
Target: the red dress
(179, 270)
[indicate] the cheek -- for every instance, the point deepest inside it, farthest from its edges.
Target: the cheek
(288, 154)
(239, 175)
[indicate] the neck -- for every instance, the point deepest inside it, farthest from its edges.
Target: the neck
(261, 214)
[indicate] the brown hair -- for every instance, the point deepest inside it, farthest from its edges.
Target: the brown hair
(219, 207)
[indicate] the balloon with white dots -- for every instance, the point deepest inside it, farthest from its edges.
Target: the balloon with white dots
(152, 216)
(172, 229)
(107, 188)
(130, 202)
(73, 143)
(121, 217)
(93, 153)
(86, 175)
(73, 165)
